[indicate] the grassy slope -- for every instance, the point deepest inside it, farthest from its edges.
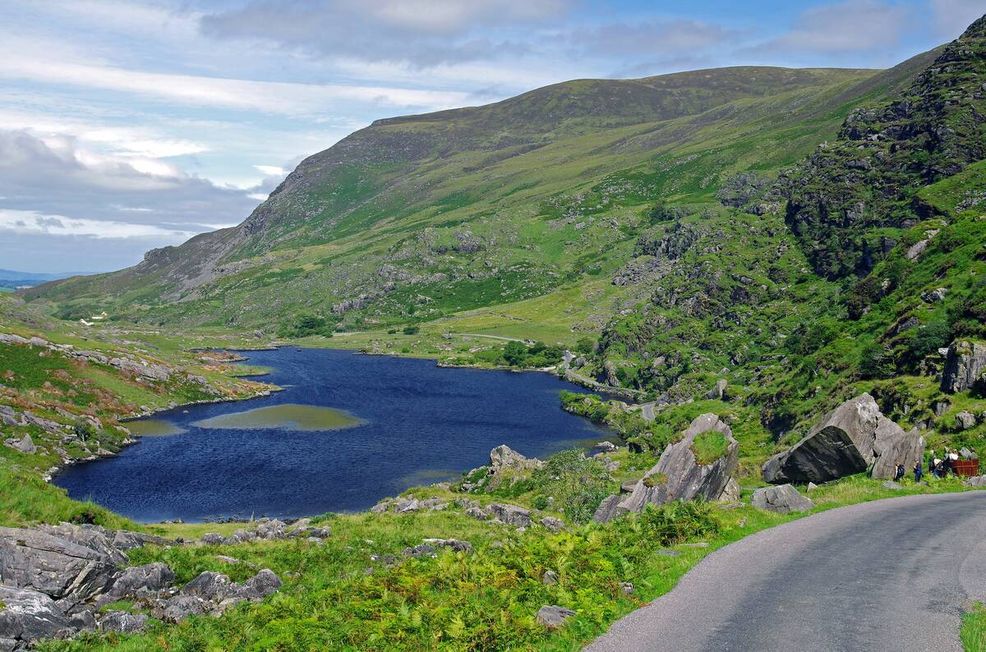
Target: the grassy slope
(564, 212)
(56, 387)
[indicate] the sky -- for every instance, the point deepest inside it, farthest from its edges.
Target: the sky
(127, 125)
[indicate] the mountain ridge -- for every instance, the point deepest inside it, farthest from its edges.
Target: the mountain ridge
(300, 212)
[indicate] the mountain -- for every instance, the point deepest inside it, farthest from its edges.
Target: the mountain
(862, 264)
(423, 216)
(754, 225)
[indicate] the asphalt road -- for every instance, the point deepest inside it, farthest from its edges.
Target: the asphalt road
(888, 575)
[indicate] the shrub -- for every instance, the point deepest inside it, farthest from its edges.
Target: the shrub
(411, 330)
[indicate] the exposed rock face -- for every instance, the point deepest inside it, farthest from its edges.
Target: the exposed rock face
(511, 514)
(142, 580)
(782, 499)
(54, 580)
(678, 475)
(893, 446)
(846, 441)
(965, 366)
(55, 565)
(27, 616)
(965, 420)
(718, 391)
(123, 622)
(504, 457)
(24, 445)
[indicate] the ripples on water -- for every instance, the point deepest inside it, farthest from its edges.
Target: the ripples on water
(275, 456)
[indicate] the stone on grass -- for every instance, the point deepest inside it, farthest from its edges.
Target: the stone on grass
(552, 616)
(965, 364)
(123, 622)
(29, 615)
(511, 514)
(782, 499)
(138, 580)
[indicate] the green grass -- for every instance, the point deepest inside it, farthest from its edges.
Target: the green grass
(709, 447)
(974, 629)
(335, 595)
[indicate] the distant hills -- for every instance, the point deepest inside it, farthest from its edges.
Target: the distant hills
(12, 279)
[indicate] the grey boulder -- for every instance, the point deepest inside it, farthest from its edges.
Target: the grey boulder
(847, 440)
(552, 616)
(140, 580)
(25, 444)
(782, 499)
(55, 565)
(678, 475)
(511, 514)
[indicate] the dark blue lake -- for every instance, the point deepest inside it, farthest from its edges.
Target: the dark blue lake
(419, 423)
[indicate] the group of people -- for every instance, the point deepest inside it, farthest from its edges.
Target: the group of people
(942, 467)
(939, 467)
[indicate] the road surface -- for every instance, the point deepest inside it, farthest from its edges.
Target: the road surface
(887, 575)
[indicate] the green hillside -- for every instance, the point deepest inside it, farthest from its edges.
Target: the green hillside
(418, 218)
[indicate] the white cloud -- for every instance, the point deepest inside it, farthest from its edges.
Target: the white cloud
(27, 222)
(271, 170)
(851, 26)
(271, 97)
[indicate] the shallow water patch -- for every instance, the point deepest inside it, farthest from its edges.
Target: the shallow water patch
(153, 428)
(286, 416)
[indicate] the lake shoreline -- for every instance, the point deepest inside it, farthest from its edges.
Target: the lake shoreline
(269, 390)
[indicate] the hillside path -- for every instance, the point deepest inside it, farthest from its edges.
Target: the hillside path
(892, 574)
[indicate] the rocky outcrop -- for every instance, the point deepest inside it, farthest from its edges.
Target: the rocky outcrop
(781, 499)
(965, 367)
(678, 474)
(505, 465)
(54, 580)
(846, 441)
(66, 567)
(25, 444)
(271, 529)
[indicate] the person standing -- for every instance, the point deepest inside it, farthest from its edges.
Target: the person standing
(918, 471)
(899, 472)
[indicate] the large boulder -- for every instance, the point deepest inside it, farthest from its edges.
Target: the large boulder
(679, 474)
(847, 440)
(27, 615)
(893, 446)
(965, 366)
(781, 499)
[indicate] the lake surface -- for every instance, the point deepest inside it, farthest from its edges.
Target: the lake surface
(391, 423)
